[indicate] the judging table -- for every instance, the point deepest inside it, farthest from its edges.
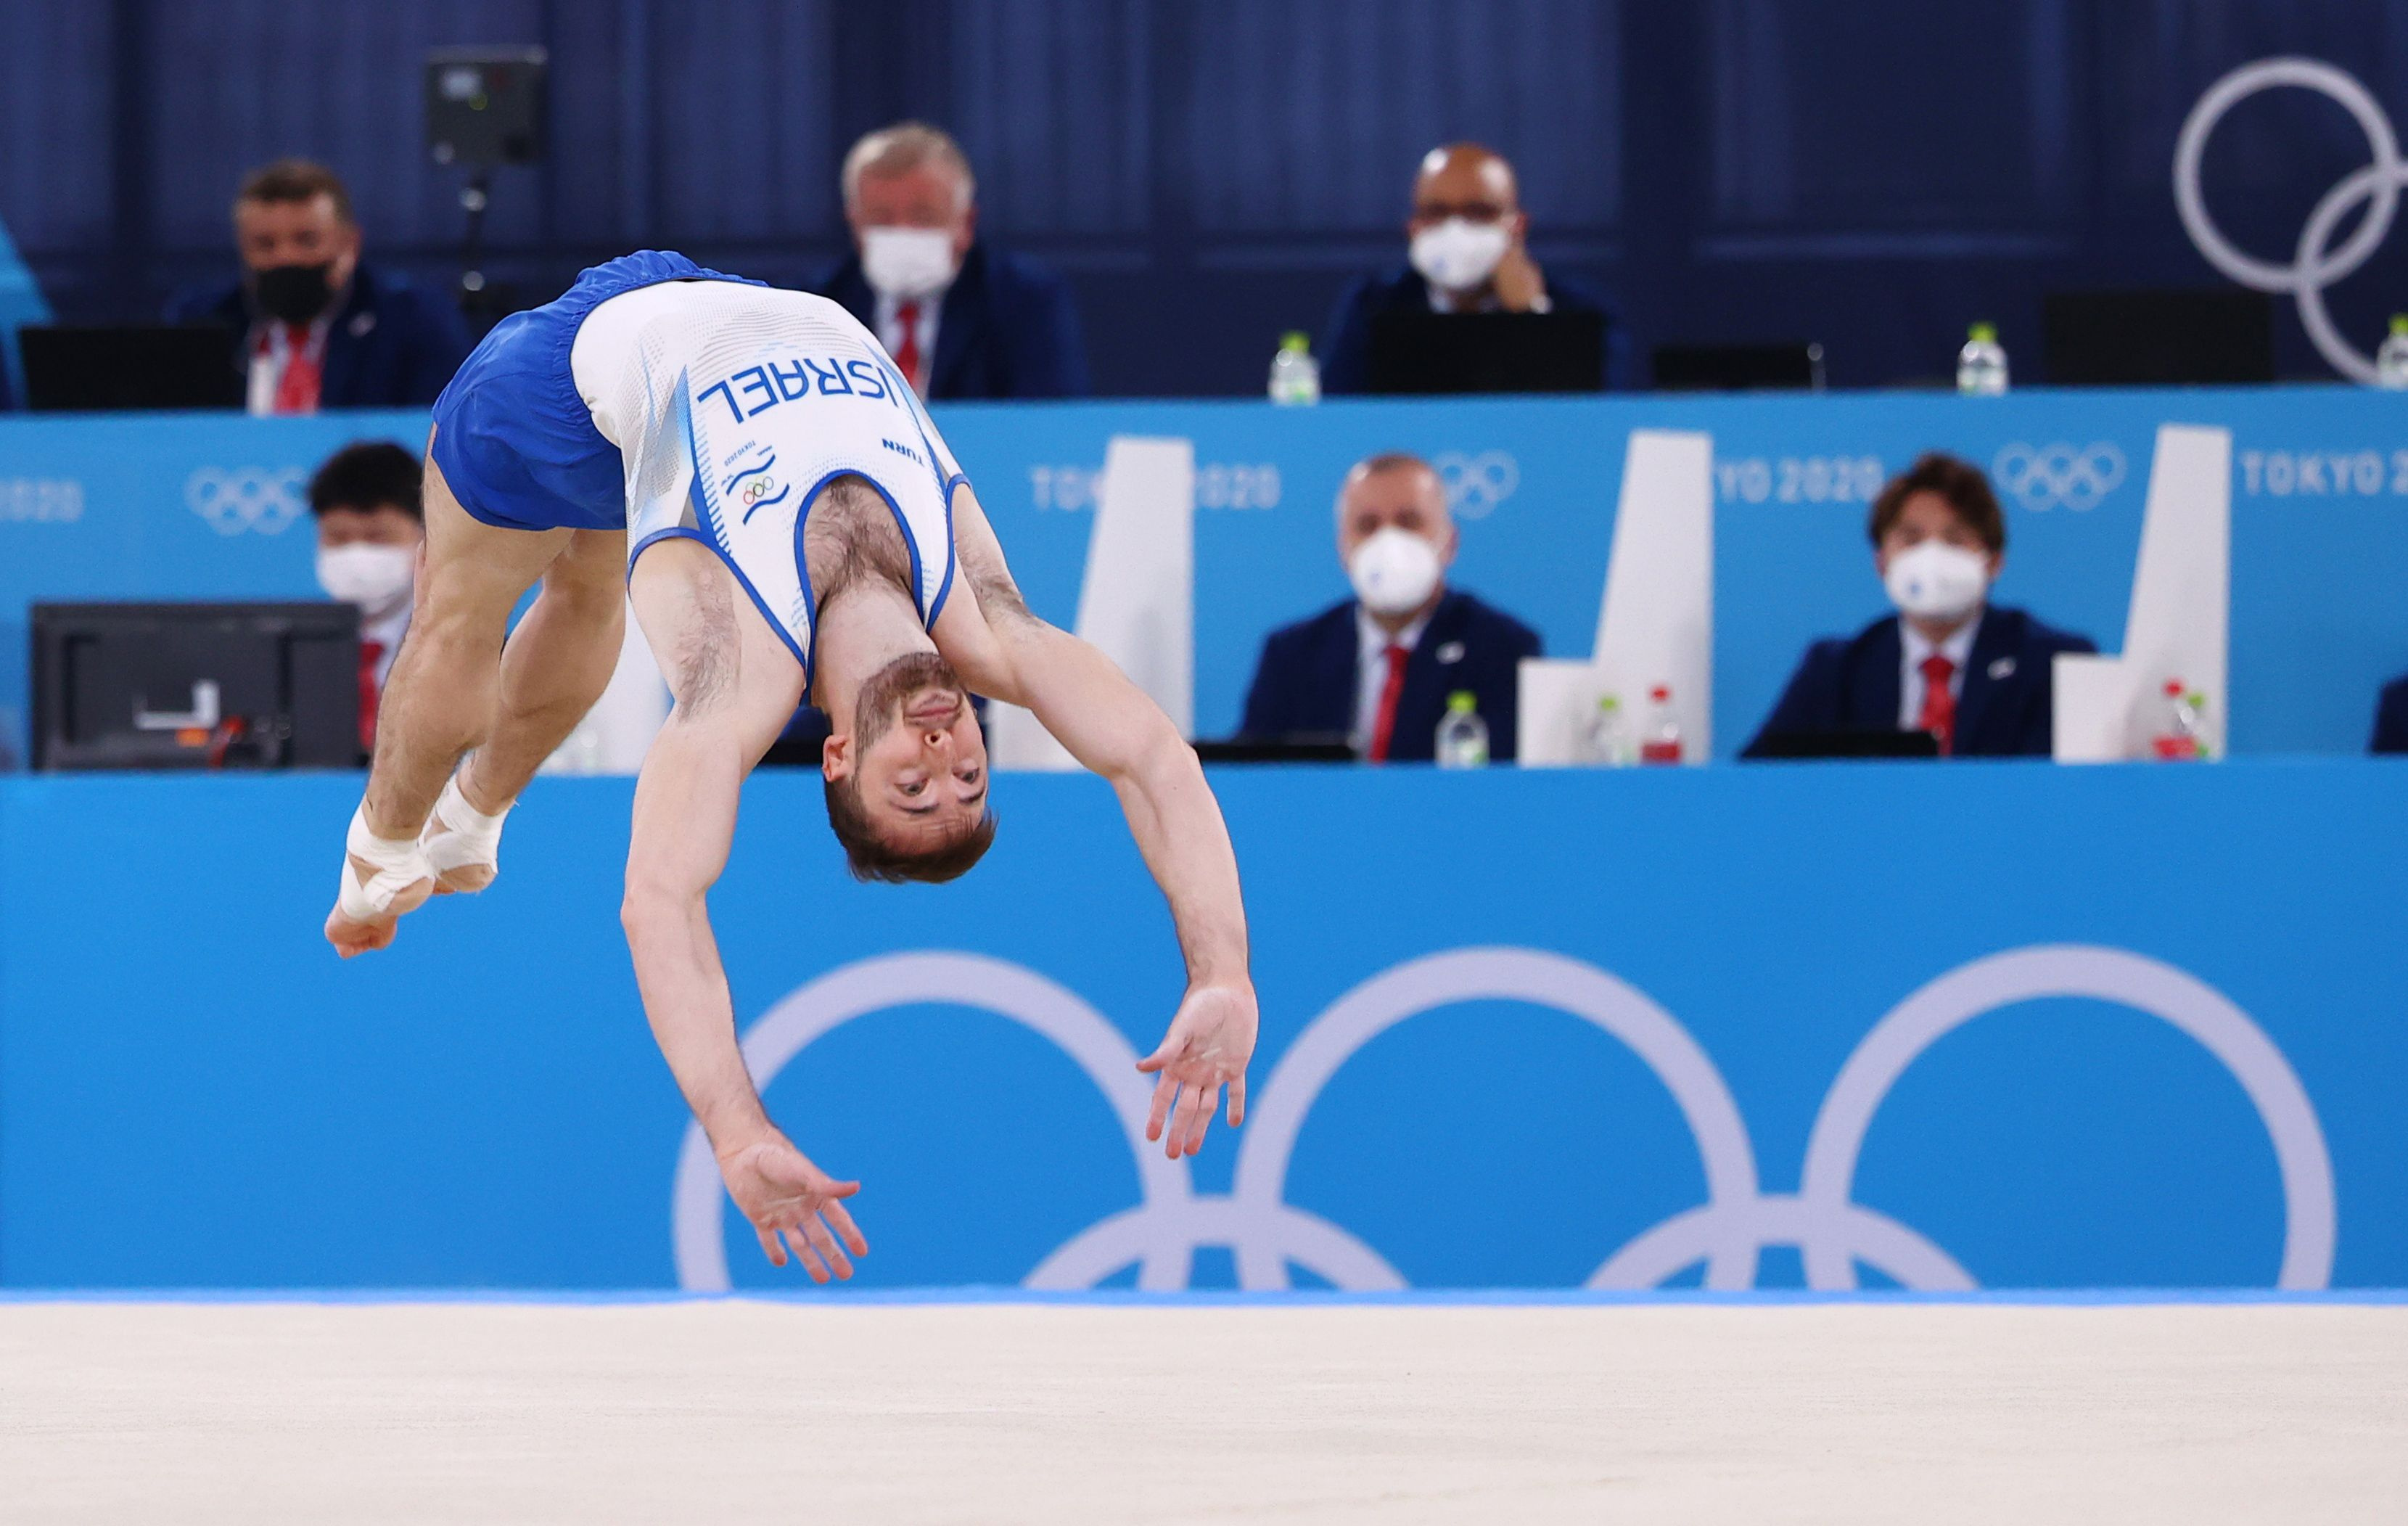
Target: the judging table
(214, 507)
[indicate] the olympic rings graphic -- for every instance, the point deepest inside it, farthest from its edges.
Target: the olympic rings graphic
(246, 498)
(2313, 267)
(2059, 476)
(1834, 1233)
(1476, 484)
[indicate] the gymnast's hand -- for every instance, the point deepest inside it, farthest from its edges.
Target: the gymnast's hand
(1208, 1044)
(780, 1192)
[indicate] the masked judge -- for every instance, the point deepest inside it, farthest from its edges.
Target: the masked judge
(315, 326)
(1973, 674)
(1377, 669)
(961, 317)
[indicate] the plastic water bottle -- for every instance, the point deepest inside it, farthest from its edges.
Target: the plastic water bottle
(2182, 736)
(1296, 376)
(1606, 740)
(2391, 361)
(1663, 740)
(1462, 735)
(1982, 364)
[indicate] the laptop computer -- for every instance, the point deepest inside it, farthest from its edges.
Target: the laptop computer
(1739, 368)
(1486, 352)
(2149, 339)
(107, 368)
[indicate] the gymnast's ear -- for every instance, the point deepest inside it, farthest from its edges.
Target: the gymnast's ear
(836, 757)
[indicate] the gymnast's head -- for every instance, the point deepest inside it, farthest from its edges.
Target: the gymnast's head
(907, 785)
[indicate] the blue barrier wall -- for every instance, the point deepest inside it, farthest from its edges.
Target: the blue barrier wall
(205, 507)
(2184, 1064)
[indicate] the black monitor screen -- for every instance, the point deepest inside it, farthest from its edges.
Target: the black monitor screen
(195, 685)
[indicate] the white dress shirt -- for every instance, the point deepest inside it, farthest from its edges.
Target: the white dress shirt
(890, 331)
(389, 629)
(1372, 641)
(271, 352)
(1916, 646)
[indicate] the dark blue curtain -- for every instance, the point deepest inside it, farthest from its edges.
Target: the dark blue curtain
(1869, 173)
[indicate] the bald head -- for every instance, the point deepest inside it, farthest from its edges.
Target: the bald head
(1466, 180)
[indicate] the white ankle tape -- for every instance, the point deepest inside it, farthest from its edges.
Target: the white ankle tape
(398, 864)
(460, 836)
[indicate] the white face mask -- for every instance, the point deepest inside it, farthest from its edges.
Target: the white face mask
(1458, 254)
(1936, 581)
(1394, 571)
(907, 264)
(376, 578)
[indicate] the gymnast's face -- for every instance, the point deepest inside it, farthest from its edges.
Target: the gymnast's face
(913, 772)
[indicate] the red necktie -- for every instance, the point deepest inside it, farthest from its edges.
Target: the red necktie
(1384, 722)
(1939, 705)
(371, 653)
(907, 354)
(296, 389)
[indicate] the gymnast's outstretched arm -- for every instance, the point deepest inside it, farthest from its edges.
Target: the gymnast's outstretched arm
(1114, 729)
(734, 687)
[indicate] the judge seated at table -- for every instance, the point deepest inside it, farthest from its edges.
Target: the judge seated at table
(1975, 675)
(1376, 669)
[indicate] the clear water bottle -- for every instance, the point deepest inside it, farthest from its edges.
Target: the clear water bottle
(2391, 361)
(1982, 364)
(1296, 376)
(1662, 743)
(1605, 743)
(2181, 734)
(1462, 735)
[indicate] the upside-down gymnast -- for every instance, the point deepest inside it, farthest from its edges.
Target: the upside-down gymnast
(747, 466)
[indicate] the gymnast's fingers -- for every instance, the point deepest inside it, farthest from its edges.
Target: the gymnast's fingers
(802, 1249)
(1206, 1100)
(824, 1242)
(770, 1247)
(841, 1221)
(1165, 1090)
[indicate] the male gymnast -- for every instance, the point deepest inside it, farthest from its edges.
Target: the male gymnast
(747, 466)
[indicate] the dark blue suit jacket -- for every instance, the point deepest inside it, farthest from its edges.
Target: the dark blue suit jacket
(392, 345)
(1304, 685)
(1345, 351)
(1008, 327)
(2004, 709)
(2391, 718)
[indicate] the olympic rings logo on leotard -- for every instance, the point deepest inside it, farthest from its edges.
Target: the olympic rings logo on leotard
(2059, 476)
(260, 498)
(2314, 267)
(1834, 1233)
(1476, 484)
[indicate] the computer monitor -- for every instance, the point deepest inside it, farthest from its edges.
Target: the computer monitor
(2154, 338)
(1739, 368)
(1486, 352)
(102, 367)
(196, 686)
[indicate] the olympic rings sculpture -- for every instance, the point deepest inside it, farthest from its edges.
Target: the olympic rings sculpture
(1726, 1232)
(2314, 267)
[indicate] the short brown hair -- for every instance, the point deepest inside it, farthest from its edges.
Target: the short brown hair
(872, 859)
(296, 180)
(1959, 482)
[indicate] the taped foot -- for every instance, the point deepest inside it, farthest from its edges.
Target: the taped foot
(383, 880)
(462, 844)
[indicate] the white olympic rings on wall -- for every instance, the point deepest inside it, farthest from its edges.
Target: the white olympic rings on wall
(1737, 1221)
(1475, 484)
(2060, 475)
(2312, 268)
(265, 499)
